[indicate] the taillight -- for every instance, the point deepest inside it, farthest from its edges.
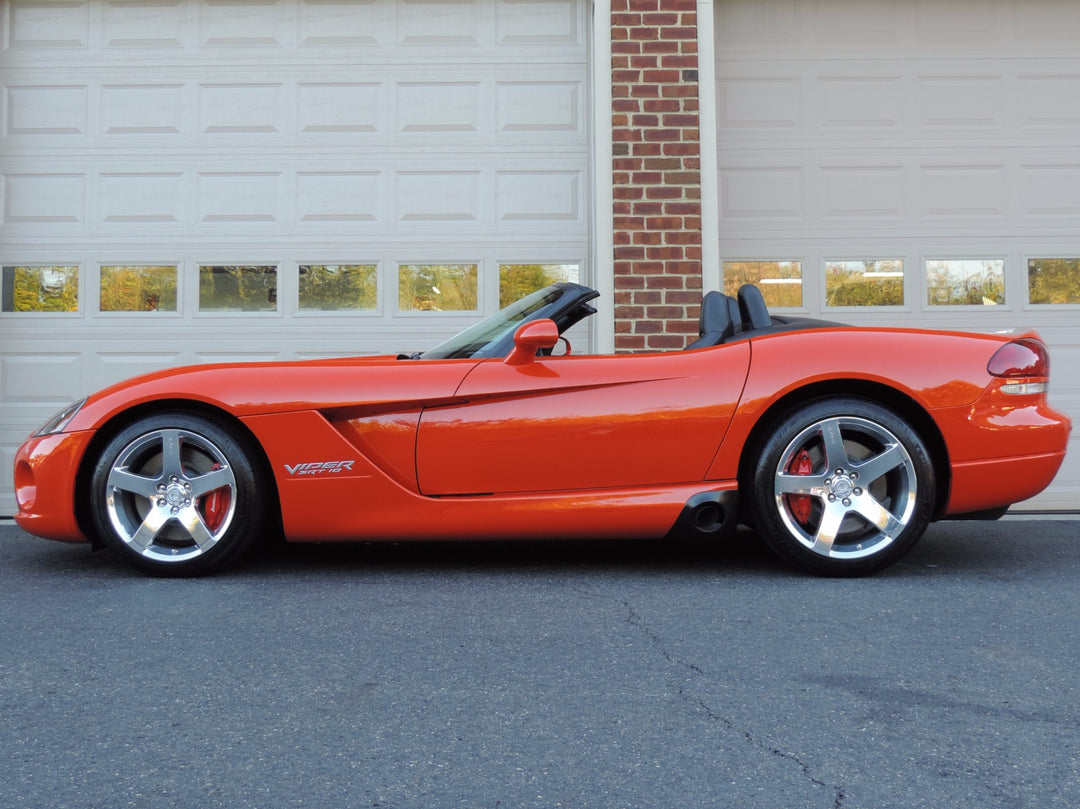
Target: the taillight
(1021, 359)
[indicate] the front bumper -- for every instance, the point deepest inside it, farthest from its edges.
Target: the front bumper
(45, 473)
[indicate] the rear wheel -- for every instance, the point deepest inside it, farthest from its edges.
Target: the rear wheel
(842, 487)
(175, 494)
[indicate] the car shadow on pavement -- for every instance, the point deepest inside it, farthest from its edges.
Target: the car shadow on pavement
(975, 549)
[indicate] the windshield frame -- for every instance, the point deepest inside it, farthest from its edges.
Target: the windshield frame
(494, 336)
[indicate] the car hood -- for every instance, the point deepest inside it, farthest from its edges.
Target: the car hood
(248, 389)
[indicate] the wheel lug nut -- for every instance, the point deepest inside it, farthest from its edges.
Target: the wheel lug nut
(839, 471)
(854, 475)
(858, 492)
(847, 501)
(832, 498)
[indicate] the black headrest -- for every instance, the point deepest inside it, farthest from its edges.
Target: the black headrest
(715, 324)
(755, 314)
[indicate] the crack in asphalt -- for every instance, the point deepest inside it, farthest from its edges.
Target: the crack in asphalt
(635, 620)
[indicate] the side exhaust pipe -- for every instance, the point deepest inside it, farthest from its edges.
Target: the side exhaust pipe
(709, 514)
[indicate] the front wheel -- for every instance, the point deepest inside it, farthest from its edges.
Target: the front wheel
(175, 494)
(842, 487)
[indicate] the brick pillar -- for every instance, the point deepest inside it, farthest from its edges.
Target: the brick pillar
(656, 172)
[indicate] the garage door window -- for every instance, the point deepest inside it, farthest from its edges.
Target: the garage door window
(874, 282)
(437, 287)
(138, 288)
(334, 287)
(40, 289)
(965, 282)
(1054, 280)
(237, 289)
(518, 280)
(781, 282)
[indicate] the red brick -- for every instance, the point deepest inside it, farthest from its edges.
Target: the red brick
(628, 192)
(678, 32)
(682, 119)
(643, 208)
(668, 254)
(665, 312)
(666, 341)
(660, 46)
(661, 18)
(661, 76)
(629, 343)
(688, 209)
(663, 192)
(648, 296)
(629, 312)
(682, 177)
(680, 91)
(677, 148)
(682, 324)
(644, 61)
(662, 135)
(648, 149)
(648, 237)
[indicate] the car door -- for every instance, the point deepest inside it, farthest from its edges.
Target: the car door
(569, 423)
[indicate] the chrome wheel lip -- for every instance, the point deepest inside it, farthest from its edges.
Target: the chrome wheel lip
(849, 491)
(155, 511)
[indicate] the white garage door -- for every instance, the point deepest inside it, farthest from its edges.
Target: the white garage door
(190, 181)
(909, 163)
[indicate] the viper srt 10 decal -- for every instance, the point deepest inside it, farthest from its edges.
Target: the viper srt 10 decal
(319, 468)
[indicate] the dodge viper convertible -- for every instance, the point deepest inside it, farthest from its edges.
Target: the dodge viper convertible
(837, 445)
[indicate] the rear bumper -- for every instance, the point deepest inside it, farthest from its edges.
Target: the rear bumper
(45, 474)
(1003, 450)
(982, 485)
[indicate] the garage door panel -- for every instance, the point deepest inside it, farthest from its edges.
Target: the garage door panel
(911, 133)
(291, 25)
(284, 139)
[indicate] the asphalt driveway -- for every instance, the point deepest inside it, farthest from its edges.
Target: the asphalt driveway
(558, 675)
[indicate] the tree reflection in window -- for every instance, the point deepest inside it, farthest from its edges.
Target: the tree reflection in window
(230, 288)
(332, 287)
(1054, 280)
(780, 282)
(518, 280)
(138, 288)
(965, 282)
(40, 289)
(437, 287)
(872, 282)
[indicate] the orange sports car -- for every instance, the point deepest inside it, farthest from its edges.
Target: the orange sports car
(838, 445)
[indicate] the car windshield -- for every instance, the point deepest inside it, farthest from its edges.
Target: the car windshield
(485, 338)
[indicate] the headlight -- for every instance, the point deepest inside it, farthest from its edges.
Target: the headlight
(58, 422)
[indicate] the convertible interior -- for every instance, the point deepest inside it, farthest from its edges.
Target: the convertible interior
(725, 319)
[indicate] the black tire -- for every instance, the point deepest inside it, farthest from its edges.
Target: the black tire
(842, 487)
(176, 495)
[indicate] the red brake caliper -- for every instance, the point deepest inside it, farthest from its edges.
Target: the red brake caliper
(799, 504)
(215, 505)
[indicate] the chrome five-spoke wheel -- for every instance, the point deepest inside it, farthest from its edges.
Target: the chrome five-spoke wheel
(843, 487)
(174, 493)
